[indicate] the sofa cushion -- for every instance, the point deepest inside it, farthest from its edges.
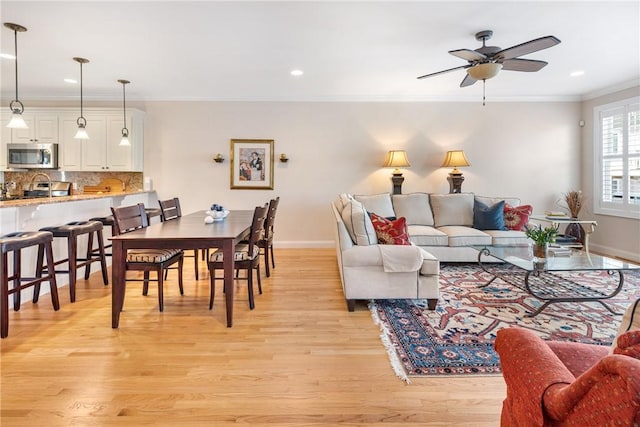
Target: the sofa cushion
(390, 232)
(424, 235)
(517, 217)
(507, 237)
(380, 204)
(513, 201)
(465, 236)
(452, 209)
(342, 200)
(488, 217)
(414, 207)
(358, 223)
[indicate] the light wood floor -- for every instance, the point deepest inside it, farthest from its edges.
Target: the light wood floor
(298, 359)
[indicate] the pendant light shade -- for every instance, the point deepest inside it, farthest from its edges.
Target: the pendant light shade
(125, 132)
(82, 122)
(17, 121)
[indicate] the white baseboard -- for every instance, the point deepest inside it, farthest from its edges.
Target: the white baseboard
(614, 253)
(314, 244)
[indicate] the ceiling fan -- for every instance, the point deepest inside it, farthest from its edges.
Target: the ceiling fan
(487, 61)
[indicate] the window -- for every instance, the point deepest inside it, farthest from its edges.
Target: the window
(617, 158)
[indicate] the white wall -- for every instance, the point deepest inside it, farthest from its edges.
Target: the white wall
(614, 235)
(528, 150)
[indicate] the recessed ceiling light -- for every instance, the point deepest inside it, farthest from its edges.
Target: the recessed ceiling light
(74, 81)
(297, 73)
(577, 73)
(7, 56)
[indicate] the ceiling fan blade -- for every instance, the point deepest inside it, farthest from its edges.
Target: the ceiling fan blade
(467, 81)
(527, 47)
(518, 64)
(468, 55)
(444, 71)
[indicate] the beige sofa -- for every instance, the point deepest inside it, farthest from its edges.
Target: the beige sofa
(365, 276)
(440, 228)
(442, 224)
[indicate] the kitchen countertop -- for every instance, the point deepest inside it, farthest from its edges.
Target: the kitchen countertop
(63, 199)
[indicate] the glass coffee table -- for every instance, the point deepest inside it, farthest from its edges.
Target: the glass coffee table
(557, 279)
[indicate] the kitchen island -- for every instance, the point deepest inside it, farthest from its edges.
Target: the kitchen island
(36, 213)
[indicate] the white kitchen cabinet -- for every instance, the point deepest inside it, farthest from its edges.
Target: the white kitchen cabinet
(102, 151)
(79, 154)
(43, 129)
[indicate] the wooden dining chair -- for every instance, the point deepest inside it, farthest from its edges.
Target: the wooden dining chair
(246, 257)
(130, 218)
(170, 209)
(266, 242)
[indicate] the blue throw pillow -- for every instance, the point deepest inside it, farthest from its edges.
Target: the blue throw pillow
(488, 217)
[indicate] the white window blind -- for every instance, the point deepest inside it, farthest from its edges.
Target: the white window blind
(617, 158)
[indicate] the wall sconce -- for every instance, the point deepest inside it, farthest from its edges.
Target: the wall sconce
(397, 159)
(455, 158)
(284, 158)
(219, 158)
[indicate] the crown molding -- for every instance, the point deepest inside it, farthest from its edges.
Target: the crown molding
(611, 89)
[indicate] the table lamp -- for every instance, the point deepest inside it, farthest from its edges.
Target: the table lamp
(397, 159)
(454, 159)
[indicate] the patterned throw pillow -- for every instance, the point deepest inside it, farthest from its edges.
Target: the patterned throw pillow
(515, 218)
(390, 232)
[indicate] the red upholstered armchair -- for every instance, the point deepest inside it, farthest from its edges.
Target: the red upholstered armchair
(552, 383)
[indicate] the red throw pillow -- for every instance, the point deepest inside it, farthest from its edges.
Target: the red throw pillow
(390, 232)
(515, 218)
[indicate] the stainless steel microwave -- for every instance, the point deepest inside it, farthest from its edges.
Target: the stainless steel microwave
(32, 156)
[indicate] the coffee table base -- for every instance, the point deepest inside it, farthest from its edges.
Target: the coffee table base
(554, 288)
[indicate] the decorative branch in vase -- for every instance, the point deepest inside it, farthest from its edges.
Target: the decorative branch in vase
(575, 201)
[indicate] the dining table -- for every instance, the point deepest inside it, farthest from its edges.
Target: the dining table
(186, 232)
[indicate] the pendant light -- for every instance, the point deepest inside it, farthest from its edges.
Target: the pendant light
(82, 122)
(17, 121)
(125, 132)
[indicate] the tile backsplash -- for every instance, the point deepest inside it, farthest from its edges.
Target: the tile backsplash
(133, 181)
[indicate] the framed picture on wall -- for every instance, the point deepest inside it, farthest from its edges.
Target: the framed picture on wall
(252, 164)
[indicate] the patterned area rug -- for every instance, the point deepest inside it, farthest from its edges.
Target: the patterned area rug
(457, 338)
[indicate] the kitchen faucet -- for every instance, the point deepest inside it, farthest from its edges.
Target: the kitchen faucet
(42, 174)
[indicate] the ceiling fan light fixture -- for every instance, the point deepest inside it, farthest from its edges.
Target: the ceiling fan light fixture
(484, 71)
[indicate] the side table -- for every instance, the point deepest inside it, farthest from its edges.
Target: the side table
(562, 220)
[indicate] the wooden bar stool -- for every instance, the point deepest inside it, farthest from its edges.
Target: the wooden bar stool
(14, 243)
(107, 221)
(71, 231)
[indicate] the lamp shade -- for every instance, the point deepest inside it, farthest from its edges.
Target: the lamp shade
(17, 121)
(397, 159)
(81, 133)
(454, 159)
(484, 71)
